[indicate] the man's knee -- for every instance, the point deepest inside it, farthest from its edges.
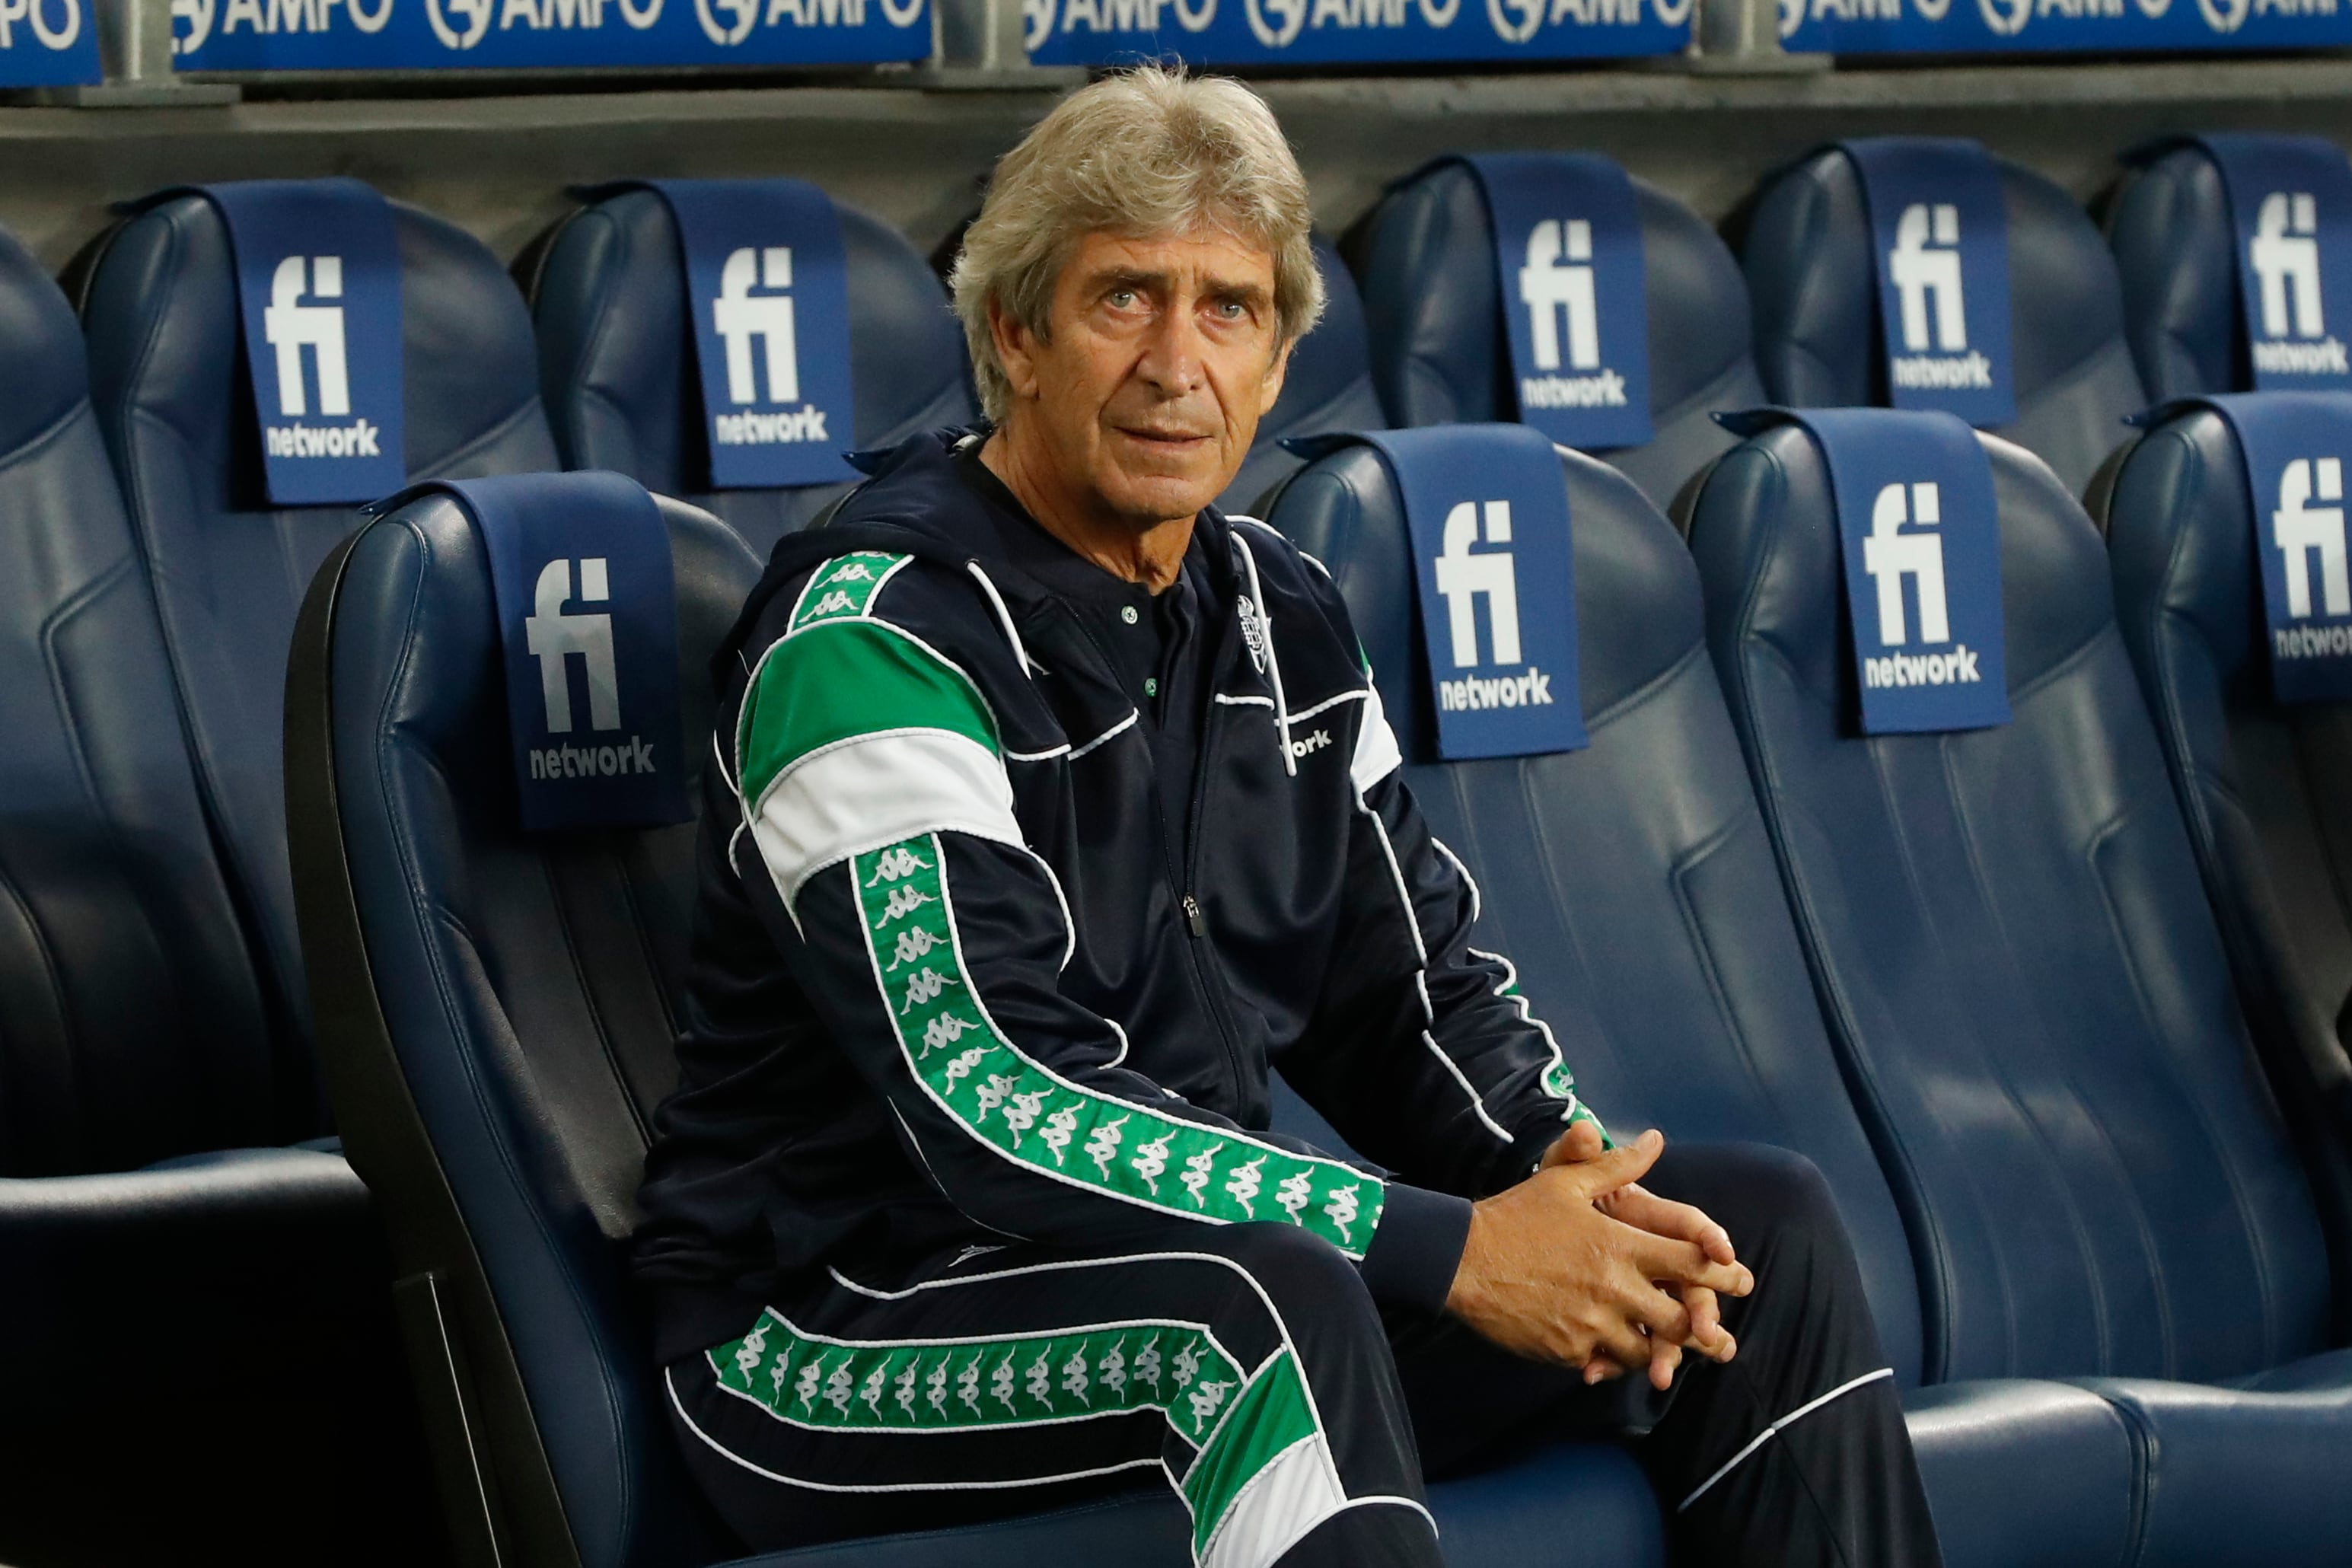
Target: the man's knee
(1754, 1191)
(1309, 1284)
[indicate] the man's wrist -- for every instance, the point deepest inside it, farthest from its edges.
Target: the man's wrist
(1417, 1248)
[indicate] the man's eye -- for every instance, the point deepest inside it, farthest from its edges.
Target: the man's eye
(1121, 299)
(1232, 310)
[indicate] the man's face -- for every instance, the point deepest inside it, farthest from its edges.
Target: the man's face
(1160, 364)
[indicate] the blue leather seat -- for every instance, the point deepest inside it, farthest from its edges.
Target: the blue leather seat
(616, 355)
(2259, 782)
(1330, 387)
(1807, 256)
(1633, 884)
(2176, 253)
(150, 1094)
(168, 379)
(2027, 993)
(1427, 259)
(499, 1011)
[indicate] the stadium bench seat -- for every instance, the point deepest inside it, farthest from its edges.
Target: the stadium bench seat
(154, 1096)
(501, 1115)
(2175, 249)
(1806, 252)
(1632, 885)
(1330, 387)
(159, 307)
(2260, 782)
(1425, 258)
(617, 356)
(2025, 988)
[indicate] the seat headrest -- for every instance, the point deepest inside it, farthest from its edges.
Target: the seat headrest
(2181, 541)
(1328, 387)
(1347, 504)
(1807, 256)
(2175, 252)
(1426, 260)
(617, 359)
(47, 376)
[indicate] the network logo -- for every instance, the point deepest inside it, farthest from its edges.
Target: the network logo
(1464, 576)
(555, 638)
(743, 319)
(289, 326)
(1931, 306)
(2284, 255)
(1892, 556)
(2301, 531)
(1557, 287)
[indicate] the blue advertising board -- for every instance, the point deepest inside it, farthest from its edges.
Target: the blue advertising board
(1350, 32)
(48, 43)
(1975, 27)
(413, 34)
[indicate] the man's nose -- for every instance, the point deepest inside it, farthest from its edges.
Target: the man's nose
(1172, 362)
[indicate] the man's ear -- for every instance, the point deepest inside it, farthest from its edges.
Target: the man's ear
(1275, 374)
(1017, 349)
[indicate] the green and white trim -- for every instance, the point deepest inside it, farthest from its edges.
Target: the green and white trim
(855, 732)
(1032, 1116)
(1262, 1474)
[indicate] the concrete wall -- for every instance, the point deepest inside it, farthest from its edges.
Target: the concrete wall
(500, 162)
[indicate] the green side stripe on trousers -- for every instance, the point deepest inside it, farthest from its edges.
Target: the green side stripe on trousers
(907, 1385)
(1009, 1101)
(1271, 1414)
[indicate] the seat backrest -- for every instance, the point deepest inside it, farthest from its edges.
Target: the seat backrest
(497, 1011)
(2176, 255)
(134, 1027)
(2259, 781)
(168, 380)
(1328, 388)
(1630, 882)
(2014, 956)
(1807, 254)
(1440, 355)
(617, 356)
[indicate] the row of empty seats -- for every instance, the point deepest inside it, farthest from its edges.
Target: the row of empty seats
(160, 1021)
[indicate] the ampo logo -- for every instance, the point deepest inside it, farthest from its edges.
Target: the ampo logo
(198, 15)
(2227, 17)
(727, 35)
(2006, 17)
(1036, 22)
(473, 21)
(36, 14)
(1276, 23)
(1515, 21)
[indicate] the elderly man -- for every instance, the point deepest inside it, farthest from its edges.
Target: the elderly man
(1017, 879)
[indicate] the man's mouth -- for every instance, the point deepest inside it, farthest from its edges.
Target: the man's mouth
(1162, 440)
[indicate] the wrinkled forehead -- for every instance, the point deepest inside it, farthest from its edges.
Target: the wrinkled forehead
(1203, 259)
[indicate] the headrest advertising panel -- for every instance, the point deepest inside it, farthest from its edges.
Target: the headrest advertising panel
(2297, 446)
(1494, 569)
(2291, 202)
(588, 627)
(1939, 250)
(318, 284)
(767, 294)
(1919, 537)
(1567, 257)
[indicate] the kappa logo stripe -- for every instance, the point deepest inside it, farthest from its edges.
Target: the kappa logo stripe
(1011, 1102)
(842, 586)
(911, 1385)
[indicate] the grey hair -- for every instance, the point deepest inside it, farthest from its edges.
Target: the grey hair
(1144, 152)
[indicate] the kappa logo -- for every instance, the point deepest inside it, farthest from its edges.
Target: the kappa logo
(741, 318)
(289, 326)
(554, 637)
(1463, 579)
(1890, 555)
(1924, 268)
(1556, 283)
(2301, 531)
(2284, 255)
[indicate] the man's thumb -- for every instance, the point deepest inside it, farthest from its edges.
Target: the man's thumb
(1626, 1163)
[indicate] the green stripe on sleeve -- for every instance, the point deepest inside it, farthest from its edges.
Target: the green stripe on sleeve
(1013, 1104)
(845, 677)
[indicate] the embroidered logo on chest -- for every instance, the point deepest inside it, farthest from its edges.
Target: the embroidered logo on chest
(1253, 631)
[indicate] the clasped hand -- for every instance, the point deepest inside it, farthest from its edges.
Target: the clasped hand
(1579, 1266)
